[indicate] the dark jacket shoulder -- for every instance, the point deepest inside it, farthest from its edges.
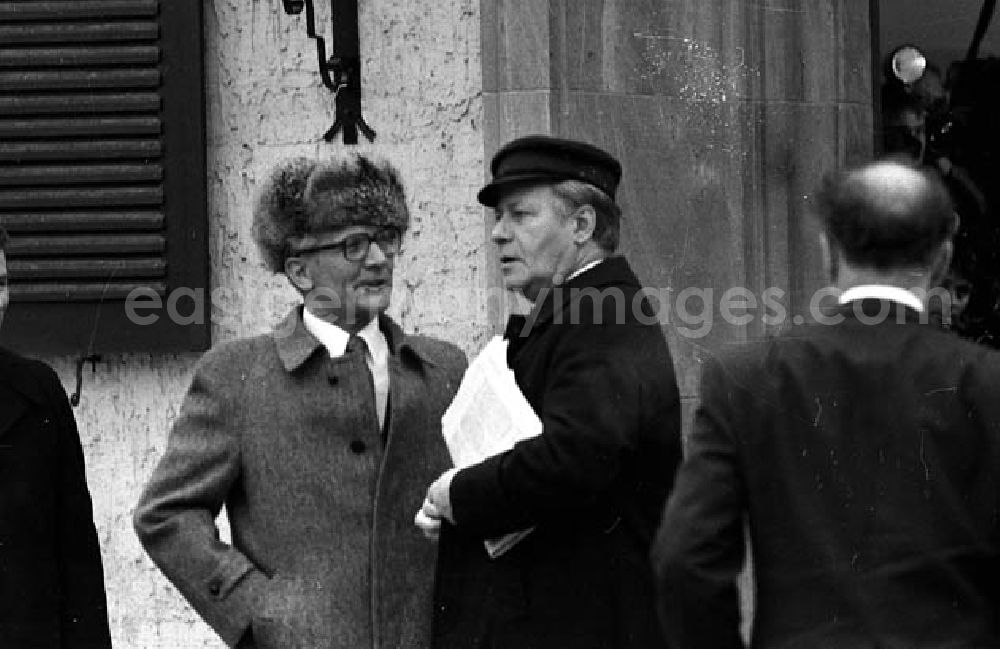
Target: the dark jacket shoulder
(29, 378)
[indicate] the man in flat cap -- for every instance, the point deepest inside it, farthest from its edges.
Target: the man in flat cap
(592, 361)
(319, 438)
(863, 450)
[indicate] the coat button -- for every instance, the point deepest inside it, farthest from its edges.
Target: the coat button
(332, 379)
(214, 588)
(357, 446)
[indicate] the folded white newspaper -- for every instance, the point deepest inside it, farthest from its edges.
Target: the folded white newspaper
(487, 417)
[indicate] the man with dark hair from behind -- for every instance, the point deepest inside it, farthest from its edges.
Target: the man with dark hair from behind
(863, 450)
(51, 577)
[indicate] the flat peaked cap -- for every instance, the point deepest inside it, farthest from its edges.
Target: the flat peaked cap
(541, 158)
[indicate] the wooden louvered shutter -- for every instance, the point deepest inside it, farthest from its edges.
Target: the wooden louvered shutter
(102, 172)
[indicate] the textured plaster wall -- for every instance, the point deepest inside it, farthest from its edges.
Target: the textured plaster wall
(422, 93)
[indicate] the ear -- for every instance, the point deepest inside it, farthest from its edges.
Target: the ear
(297, 272)
(942, 262)
(825, 252)
(583, 221)
(830, 256)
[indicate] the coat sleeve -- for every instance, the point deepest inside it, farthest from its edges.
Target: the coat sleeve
(84, 614)
(175, 517)
(601, 383)
(699, 547)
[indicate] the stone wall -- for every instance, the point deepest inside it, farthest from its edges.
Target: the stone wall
(422, 93)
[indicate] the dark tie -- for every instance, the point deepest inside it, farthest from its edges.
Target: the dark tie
(358, 348)
(357, 345)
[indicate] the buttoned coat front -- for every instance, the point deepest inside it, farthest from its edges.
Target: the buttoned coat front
(324, 552)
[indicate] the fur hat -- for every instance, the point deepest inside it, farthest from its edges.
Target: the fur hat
(306, 196)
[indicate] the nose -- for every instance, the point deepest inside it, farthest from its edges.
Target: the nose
(375, 256)
(500, 232)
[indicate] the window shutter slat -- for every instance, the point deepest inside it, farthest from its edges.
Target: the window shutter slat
(48, 198)
(81, 292)
(93, 173)
(48, 269)
(31, 33)
(39, 57)
(76, 9)
(50, 128)
(102, 168)
(84, 149)
(82, 79)
(137, 102)
(102, 221)
(86, 245)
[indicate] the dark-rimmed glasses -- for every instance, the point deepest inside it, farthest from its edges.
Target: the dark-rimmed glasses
(355, 246)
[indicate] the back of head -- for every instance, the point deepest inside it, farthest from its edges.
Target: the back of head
(886, 215)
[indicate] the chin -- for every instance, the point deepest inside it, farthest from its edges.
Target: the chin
(371, 308)
(512, 282)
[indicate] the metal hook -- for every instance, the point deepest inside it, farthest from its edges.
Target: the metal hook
(74, 399)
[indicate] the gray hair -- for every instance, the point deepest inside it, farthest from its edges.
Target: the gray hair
(577, 194)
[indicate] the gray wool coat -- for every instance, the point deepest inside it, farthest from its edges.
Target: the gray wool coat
(320, 500)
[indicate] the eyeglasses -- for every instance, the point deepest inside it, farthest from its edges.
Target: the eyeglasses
(357, 245)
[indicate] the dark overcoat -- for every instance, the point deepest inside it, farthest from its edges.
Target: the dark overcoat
(867, 456)
(593, 483)
(324, 551)
(51, 578)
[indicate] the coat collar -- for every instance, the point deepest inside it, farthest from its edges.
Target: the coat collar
(871, 310)
(613, 271)
(296, 345)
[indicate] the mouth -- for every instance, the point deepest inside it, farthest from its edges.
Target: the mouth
(506, 259)
(373, 284)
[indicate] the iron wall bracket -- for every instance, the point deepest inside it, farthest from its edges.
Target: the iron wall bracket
(341, 72)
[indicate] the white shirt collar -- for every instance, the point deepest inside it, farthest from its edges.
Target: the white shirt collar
(335, 339)
(584, 268)
(882, 292)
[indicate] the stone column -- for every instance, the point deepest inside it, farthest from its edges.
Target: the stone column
(725, 114)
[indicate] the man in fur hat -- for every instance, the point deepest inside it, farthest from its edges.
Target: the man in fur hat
(319, 438)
